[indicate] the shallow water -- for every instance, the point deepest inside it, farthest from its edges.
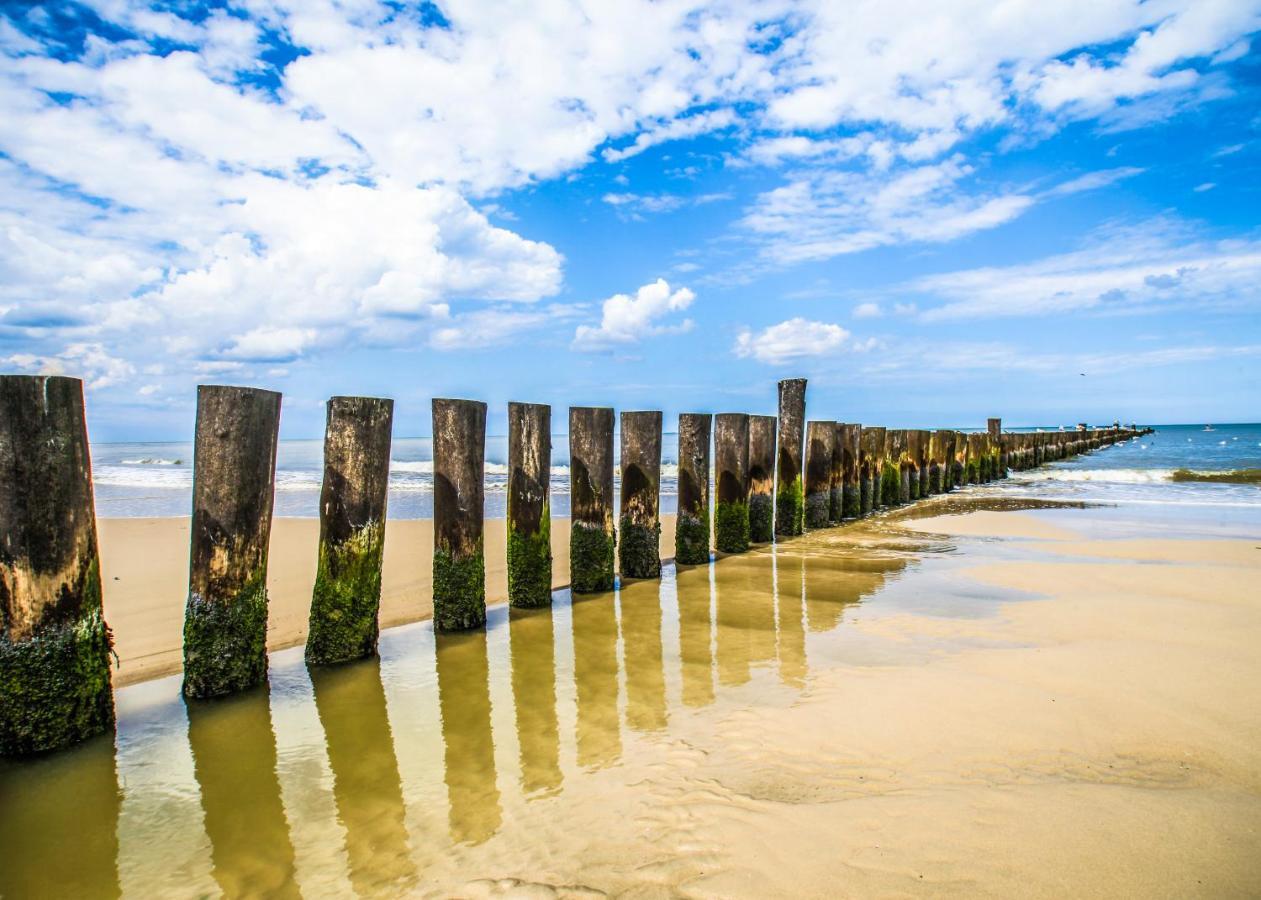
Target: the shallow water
(363, 778)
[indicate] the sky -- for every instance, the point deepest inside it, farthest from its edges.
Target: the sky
(934, 211)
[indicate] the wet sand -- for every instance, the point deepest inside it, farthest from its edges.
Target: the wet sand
(144, 568)
(876, 710)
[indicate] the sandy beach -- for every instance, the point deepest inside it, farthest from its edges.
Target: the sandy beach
(144, 565)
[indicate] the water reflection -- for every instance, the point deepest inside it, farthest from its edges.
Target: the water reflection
(598, 736)
(695, 589)
(350, 700)
(641, 646)
(234, 760)
(464, 699)
(372, 750)
(533, 647)
(59, 824)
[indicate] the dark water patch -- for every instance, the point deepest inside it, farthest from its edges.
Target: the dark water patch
(1234, 476)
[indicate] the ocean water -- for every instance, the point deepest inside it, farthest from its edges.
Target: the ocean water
(156, 479)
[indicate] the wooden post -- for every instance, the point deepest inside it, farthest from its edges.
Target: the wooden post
(347, 595)
(790, 507)
(733, 516)
(761, 469)
(591, 537)
(975, 457)
(54, 644)
(891, 470)
(836, 497)
(923, 444)
(691, 529)
(234, 463)
(639, 550)
(529, 505)
(851, 450)
(459, 563)
(868, 468)
(820, 438)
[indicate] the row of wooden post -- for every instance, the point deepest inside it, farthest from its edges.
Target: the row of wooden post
(773, 475)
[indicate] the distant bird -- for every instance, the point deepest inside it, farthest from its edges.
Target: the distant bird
(1082, 374)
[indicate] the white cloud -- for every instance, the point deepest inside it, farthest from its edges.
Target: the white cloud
(636, 206)
(868, 310)
(1206, 186)
(88, 361)
(626, 319)
(701, 123)
(795, 338)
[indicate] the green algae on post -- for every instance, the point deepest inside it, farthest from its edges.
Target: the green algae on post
(790, 507)
(691, 527)
(55, 647)
(459, 567)
(347, 595)
(234, 462)
(592, 538)
(732, 447)
(851, 451)
(820, 440)
(639, 554)
(529, 507)
(761, 478)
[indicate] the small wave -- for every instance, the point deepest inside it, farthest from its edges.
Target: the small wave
(1116, 476)
(152, 461)
(1232, 476)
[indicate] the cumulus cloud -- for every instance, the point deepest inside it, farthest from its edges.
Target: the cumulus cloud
(628, 319)
(868, 310)
(796, 338)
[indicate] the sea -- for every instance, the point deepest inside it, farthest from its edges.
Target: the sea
(156, 479)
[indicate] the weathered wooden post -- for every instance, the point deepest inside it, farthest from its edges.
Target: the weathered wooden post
(1000, 456)
(972, 468)
(923, 445)
(459, 563)
(591, 537)
(54, 644)
(234, 463)
(529, 505)
(836, 494)
(867, 465)
(851, 450)
(347, 595)
(879, 440)
(936, 453)
(761, 469)
(820, 436)
(733, 516)
(691, 528)
(639, 550)
(790, 507)
(891, 474)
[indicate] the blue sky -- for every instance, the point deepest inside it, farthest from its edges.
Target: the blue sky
(936, 212)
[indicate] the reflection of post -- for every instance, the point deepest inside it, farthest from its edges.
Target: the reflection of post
(691, 529)
(639, 547)
(599, 736)
(234, 759)
(832, 586)
(46, 802)
(645, 675)
(54, 643)
(464, 700)
(761, 478)
(696, 657)
(459, 562)
(791, 645)
(529, 508)
(591, 535)
(732, 515)
(745, 620)
(350, 701)
(533, 648)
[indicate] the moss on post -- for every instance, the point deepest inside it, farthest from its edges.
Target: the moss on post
(850, 436)
(459, 565)
(761, 478)
(890, 484)
(234, 461)
(529, 506)
(639, 549)
(592, 536)
(691, 528)
(54, 644)
(790, 507)
(732, 449)
(347, 595)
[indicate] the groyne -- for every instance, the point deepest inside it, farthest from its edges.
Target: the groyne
(773, 477)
